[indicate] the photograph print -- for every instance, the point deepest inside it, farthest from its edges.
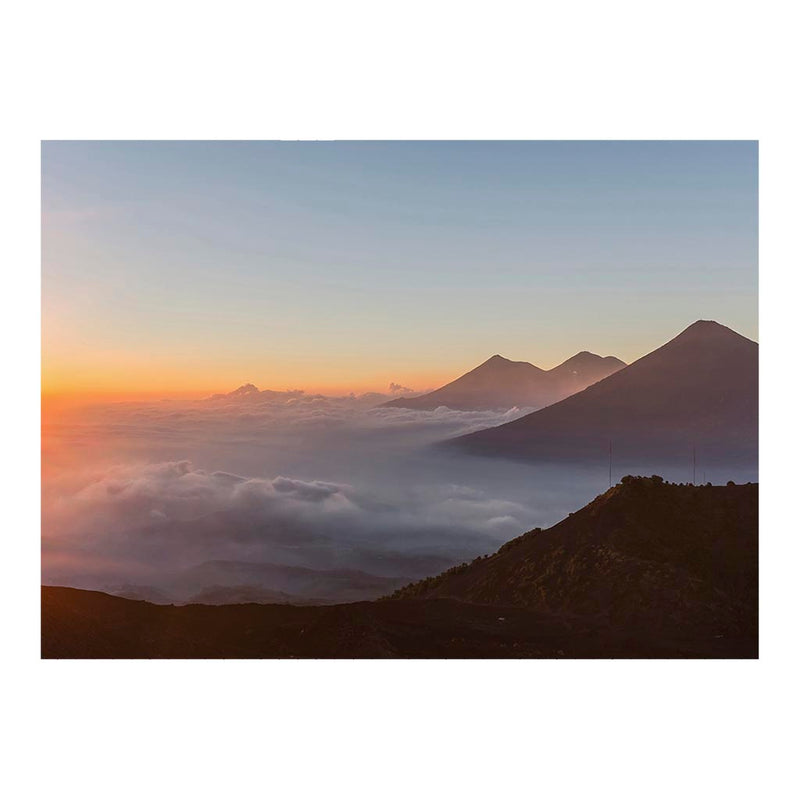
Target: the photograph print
(399, 399)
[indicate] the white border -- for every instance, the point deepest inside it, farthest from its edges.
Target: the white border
(412, 70)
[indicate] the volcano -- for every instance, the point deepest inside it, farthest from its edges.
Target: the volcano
(501, 384)
(697, 393)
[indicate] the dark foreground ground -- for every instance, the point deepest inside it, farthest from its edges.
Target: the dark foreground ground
(82, 624)
(646, 570)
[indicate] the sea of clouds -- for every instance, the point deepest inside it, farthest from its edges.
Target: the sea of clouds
(137, 492)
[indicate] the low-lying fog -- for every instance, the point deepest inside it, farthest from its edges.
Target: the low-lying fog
(142, 494)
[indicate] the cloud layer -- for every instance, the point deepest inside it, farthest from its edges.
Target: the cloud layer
(136, 491)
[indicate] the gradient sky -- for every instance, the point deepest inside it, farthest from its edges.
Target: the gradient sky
(198, 266)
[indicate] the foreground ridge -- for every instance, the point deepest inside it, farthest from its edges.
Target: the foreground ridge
(645, 551)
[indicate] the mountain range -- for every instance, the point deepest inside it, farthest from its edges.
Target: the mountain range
(697, 393)
(500, 384)
(221, 582)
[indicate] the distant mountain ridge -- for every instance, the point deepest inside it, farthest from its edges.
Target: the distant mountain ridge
(697, 392)
(249, 394)
(224, 582)
(499, 383)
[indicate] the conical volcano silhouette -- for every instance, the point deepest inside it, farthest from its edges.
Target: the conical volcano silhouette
(500, 384)
(698, 391)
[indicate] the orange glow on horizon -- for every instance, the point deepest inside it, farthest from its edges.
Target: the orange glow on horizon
(110, 387)
(73, 368)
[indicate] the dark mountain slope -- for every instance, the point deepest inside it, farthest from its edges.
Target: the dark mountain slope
(700, 389)
(500, 383)
(645, 554)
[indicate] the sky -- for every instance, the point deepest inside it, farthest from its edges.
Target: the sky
(344, 266)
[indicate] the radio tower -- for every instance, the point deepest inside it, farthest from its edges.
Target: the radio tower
(694, 466)
(610, 466)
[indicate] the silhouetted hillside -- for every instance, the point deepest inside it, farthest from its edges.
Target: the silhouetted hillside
(699, 390)
(500, 383)
(644, 554)
(646, 570)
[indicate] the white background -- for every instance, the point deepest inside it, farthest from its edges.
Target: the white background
(313, 70)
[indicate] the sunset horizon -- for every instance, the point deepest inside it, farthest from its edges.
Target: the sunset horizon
(347, 266)
(101, 388)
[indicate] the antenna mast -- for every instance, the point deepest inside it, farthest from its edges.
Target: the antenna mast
(610, 466)
(694, 466)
